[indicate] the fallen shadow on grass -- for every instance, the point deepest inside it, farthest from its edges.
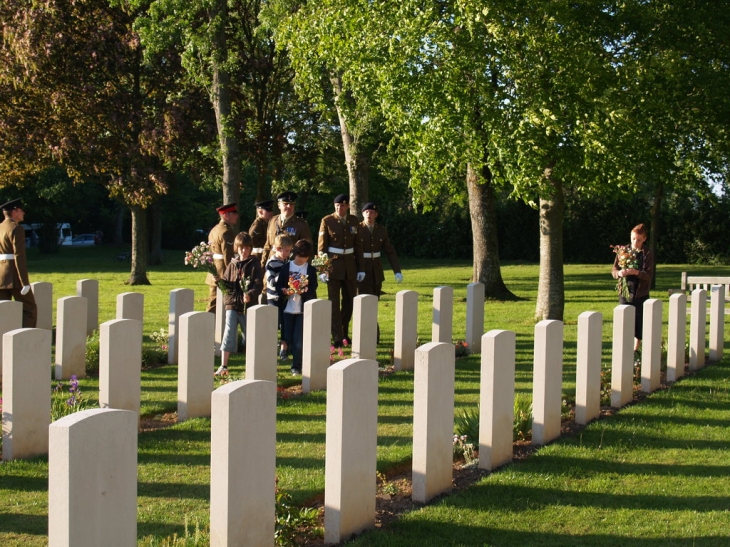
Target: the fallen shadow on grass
(18, 523)
(24, 484)
(585, 468)
(444, 534)
(175, 490)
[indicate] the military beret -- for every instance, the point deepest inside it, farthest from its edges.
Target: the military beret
(227, 208)
(12, 204)
(369, 206)
(287, 197)
(342, 198)
(266, 205)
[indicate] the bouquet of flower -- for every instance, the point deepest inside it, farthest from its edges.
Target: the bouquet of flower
(628, 258)
(245, 283)
(202, 257)
(322, 263)
(297, 284)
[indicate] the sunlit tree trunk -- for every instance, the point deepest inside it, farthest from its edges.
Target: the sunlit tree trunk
(155, 257)
(483, 213)
(654, 231)
(221, 98)
(138, 275)
(356, 160)
(550, 288)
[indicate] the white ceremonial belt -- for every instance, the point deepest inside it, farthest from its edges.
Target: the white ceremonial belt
(7, 257)
(371, 255)
(257, 251)
(216, 256)
(337, 251)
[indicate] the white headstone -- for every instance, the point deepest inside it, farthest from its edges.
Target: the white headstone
(433, 420)
(547, 383)
(697, 334)
(406, 330)
(181, 301)
(717, 322)
(351, 451)
(243, 464)
(261, 341)
(43, 295)
(474, 316)
(443, 315)
(130, 305)
(622, 360)
(676, 336)
(316, 344)
(220, 322)
(496, 399)
(120, 364)
(365, 327)
(89, 289)
(11, 318)
(588, 369)
(71, 337)
(651, 352)
(26, 392)
(92, 479)
(195, 366)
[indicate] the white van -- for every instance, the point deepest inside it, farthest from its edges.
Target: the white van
(64, 232)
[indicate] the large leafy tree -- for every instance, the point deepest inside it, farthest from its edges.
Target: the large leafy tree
(226, 52)
(322, 41)
(78, 91)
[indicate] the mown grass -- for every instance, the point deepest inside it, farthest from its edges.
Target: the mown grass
(174, 462)
(655, 474)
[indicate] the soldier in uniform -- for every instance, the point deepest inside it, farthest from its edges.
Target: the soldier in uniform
(257, 231)
(14, 280)
(221, 245)
(285, 223)
(338, 238)
(375, 241)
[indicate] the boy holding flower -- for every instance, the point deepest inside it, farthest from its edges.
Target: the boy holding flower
(243, 280)
(633, 267)
(296, 284)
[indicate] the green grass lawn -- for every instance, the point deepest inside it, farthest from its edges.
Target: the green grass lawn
(174, 462)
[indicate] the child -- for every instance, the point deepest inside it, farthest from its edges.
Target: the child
(637, 279)
(297, 284)
(282, 250)
(243, 280)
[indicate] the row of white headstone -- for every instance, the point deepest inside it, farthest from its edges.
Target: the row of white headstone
(242, 500)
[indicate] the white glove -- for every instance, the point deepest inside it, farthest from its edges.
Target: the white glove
(324, 278)
(25, 290)
(360, 276)
(399, 277)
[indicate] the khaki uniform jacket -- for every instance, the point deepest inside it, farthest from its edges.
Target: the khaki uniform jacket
(13, 273)
(221, 243)
(295, 228)
(334, 235)
(376, 242)
(257, 231)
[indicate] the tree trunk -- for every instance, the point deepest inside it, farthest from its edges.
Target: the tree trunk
(550, 288)
(221, 99)
(356, 161)
(483, 212)
(654, 232)
(119, 224)
(138, 275)
(155, 258)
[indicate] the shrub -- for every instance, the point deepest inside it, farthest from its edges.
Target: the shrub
(523, 416)
(466, 423)
(63, 406)
(92, 353)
